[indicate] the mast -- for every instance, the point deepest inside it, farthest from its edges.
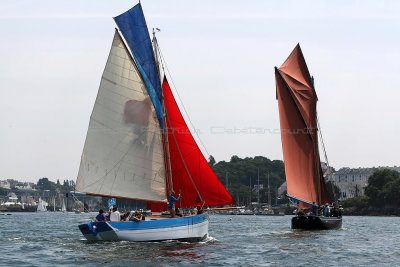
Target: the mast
(164, 114)
(258, 187)
(226, 180)
(269, 193)
(250, 191)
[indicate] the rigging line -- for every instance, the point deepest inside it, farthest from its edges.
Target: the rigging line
(183, 160)
(180, 100)
(322, 141)
(75, 199)
(326, 156)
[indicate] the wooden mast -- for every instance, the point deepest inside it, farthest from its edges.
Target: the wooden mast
(164, 113)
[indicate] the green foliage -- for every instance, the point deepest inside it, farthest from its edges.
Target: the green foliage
(4, 191)
(68, 185)
(242, 174)
(211, 161)
(383, 188)
(45, 184)
(356, 202)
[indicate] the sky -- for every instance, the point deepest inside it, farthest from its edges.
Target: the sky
(221, 55)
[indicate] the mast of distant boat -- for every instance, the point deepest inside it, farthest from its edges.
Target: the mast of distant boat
(269, 193)
(258, 188)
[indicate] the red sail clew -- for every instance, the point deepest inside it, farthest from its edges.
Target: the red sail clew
(297, 102)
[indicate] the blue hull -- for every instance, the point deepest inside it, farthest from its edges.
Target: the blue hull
(190, 228)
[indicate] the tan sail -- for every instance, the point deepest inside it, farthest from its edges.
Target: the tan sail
(123, 153)
(297, 102)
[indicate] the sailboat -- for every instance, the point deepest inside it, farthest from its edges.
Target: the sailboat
(297, 101)
(41, 206)
(63, 208)
(139, 147)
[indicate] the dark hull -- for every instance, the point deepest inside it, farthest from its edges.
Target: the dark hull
(316, 222)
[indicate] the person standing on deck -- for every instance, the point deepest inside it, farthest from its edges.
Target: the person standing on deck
(115, 216)
(171, 203)
(328, 210)
(314, 209)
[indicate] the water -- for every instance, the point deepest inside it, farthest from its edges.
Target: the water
(53, 239)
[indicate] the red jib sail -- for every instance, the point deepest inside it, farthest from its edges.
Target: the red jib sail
(297, 102)
(192, 176)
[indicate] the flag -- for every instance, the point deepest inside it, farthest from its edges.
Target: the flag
(112, 202)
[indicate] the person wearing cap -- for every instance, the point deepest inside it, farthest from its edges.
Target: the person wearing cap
(171, 203)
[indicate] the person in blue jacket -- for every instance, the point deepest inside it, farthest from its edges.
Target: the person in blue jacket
(171, 203)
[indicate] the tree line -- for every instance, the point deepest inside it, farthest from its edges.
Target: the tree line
(43, 187)
(242, 175)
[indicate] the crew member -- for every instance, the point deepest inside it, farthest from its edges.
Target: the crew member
(171, 203)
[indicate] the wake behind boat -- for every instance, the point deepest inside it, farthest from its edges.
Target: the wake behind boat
(139, 147)
(297, 102)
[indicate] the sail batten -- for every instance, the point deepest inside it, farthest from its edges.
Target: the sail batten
(123, 154)
(297, 102)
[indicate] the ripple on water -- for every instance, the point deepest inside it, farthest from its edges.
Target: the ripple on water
(53, 239)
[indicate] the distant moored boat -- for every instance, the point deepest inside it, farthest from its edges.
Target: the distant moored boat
(41, 206)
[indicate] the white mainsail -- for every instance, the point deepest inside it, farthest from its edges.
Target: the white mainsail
(41, 205)
(123, 153)
(63, 208)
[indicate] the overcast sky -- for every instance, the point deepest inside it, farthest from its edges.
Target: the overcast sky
(221, 55)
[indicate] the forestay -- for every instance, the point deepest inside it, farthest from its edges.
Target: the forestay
(123, 154)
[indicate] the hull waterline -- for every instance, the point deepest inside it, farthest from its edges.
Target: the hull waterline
(191, 228)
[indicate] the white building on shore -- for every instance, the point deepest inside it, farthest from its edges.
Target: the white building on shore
(5, 184)
(352, 181)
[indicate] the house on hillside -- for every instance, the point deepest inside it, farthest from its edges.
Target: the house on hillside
(5, 184)
(352, 181)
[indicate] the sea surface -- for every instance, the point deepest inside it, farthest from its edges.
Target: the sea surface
(53, 239)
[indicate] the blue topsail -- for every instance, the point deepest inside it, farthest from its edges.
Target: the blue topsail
(134, 29)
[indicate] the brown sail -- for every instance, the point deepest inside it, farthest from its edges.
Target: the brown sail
(297, 102)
